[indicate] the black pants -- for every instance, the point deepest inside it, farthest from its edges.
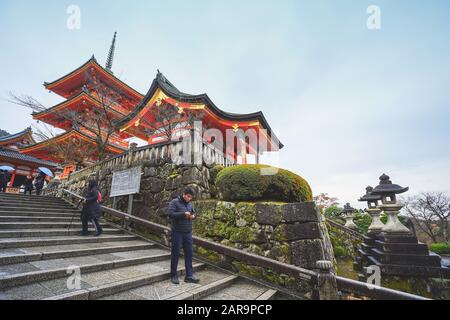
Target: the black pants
(179, 240)
(28, 190)
(3, 188)
(38, 191)
(85, 220)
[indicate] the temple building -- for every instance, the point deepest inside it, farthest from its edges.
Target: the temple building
(10, 155)
(101, 110)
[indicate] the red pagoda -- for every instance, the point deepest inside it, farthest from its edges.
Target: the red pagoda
(131, 112)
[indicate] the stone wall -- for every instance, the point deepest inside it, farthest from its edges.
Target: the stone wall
(293, 233)
(161, 181)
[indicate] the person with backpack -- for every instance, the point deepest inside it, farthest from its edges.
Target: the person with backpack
(91, 209)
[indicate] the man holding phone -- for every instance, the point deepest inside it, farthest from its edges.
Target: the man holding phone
(182, 213)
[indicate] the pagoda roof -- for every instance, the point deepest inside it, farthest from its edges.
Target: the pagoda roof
(162, 83)
(67, 135)
(11, 138)
(80, 96)
(58, 86)
(16, 155)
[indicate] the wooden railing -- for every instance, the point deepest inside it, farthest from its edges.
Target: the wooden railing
(324, 283)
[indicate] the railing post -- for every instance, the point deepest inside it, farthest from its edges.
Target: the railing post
(326, 281)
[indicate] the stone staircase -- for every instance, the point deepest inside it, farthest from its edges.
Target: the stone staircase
(39, 242)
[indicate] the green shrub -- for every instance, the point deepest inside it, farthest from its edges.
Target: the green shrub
(440, 248)
(363, 221)
(245, 183)
(339, 252)
(332, 212)
(215, 171)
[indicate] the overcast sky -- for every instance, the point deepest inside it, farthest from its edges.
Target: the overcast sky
(349, 103)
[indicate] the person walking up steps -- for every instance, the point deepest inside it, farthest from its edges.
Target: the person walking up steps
(91, 209)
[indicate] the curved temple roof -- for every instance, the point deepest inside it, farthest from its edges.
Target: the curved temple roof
(75, 98)
(93, 61)
(16, 155)
(27, 133)
(67, 134)
(170, 90)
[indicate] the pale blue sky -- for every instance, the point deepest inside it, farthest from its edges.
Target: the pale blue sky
(348, 103)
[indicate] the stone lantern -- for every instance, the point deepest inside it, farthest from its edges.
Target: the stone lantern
(372, 209)
(349, 214)
(388, 191)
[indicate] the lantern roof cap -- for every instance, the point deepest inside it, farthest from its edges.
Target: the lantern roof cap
(386, 186)
(369, 196)
(348, 209)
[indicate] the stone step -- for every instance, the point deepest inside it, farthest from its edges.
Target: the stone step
(12, 218)
(206, 290)
(41, 225)
(268, 295)
(35, 214)
(36, 199)
(10, 281)
(61, 240)
(60, 254)
(41, 210)
(22, 233)
(111, 289)
(34, 204)
(427, 260)
(27, 196)
(241, 289)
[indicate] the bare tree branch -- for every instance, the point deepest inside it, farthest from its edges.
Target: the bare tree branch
(431, 212)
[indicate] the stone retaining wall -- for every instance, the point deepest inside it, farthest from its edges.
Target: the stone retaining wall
(293, 233)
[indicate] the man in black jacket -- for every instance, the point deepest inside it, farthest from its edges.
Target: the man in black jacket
(181, 212)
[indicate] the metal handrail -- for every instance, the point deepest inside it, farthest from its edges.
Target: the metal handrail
(343, 284)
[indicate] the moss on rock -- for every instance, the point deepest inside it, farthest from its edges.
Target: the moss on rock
(247, 182)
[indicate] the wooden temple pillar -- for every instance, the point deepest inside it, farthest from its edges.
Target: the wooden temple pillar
(13, 177)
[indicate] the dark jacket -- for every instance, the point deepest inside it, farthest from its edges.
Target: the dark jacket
(92, 208)
(176, 212)
(39, 184)
(3, 178)
(29, 184)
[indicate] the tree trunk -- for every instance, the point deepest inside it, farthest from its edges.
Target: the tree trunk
(444, 226)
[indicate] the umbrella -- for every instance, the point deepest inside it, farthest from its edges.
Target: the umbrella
(7, 168)
(46, 171)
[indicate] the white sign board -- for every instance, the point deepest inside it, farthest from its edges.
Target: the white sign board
(126, 182)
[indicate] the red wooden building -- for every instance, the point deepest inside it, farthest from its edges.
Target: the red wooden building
(132, 113)
(23, 164)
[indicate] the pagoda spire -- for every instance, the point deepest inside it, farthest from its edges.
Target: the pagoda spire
(109, 62)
